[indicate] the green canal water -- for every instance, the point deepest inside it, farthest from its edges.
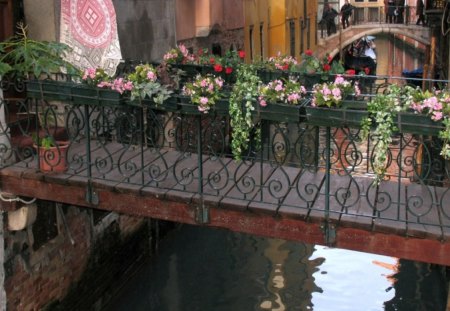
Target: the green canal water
(205, 269)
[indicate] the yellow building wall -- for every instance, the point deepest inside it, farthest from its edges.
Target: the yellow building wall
(268, 27)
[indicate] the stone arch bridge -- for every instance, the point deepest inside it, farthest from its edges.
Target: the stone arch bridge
(332, 44)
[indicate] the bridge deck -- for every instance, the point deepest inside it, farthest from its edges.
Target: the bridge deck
(256, 187)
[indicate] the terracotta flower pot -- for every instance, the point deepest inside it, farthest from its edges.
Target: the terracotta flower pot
(53, 159)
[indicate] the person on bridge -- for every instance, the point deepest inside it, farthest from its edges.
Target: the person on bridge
(419, 13)
(328, 16)
(346, 12)
(389, 9)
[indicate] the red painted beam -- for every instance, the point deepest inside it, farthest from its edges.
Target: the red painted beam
(182, 210)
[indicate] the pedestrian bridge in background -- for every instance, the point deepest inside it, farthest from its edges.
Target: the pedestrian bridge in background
(334, 43)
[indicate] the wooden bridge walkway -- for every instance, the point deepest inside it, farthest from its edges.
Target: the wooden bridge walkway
(252, 197)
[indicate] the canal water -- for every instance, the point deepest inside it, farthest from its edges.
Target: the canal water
(199, 268)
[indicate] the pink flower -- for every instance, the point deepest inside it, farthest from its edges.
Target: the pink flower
(336, 93)
(204, 100)
(151, 76)
(339, 79)
(437, 115)
(262, 103)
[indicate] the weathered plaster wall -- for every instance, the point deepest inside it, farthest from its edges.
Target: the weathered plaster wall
(42, 18)
(146, 28)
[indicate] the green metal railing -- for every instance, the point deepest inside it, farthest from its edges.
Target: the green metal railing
(315, 171)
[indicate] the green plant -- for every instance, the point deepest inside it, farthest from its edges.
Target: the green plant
(179, 55)
(204, 91)
(382, 110)
(281, 62)
(310, 64)
(436, 105)
(145, 83)
(242, 99)
(21, 56)
(332, 94)
(287, 91)
(45, 142)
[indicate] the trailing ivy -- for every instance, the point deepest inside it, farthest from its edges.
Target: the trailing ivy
(243, 97)
(382, 117)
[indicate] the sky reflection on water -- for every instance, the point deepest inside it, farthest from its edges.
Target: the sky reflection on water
(352, 280)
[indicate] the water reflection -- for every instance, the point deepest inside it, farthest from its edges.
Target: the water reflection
(205, 269)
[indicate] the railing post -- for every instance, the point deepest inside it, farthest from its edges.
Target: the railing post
(91, 196)
(328, 229)
(201, 211)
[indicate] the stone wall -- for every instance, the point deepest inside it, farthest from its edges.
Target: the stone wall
(146, 28)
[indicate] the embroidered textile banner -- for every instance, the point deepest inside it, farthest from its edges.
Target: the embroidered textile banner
(89, 27)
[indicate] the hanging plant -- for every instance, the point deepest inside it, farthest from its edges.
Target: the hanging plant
(243, 96)
(382, 110)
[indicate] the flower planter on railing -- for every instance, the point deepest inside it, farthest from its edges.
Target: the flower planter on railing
(280, 112)
(221, 106)
(94, 96)
(169, 105)
(50, 90)
(413, 123)
(269, 75)
(350, 114)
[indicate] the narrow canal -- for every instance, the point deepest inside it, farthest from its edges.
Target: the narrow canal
(205, 269)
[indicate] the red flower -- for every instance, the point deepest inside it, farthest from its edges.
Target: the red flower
(241, 54)
(309, 52)
(285, 67)
(367, 70)
(228, 70)
(351, 72)
(330, 59)
(326, 67)
(218, 68)
(212, 61)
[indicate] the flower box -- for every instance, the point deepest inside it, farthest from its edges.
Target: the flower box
(221, 106)
(169, 105)
(50, 90)
(413, 123)
(281, 112)
(269, 75)
(88, 95)
(350, 114)
(190, 69)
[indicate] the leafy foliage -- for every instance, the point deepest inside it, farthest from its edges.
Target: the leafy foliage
(22, 56)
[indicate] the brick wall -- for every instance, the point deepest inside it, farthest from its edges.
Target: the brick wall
(56, 275)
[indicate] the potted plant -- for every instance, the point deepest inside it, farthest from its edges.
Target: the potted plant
(145, 87)
(330, 104)
(276, 67)
(52, 154)
(204, 93)
(280, 100)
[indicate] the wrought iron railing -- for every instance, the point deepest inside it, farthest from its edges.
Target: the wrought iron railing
(314, 171)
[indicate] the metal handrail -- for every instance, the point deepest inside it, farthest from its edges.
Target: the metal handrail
(300, 166)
